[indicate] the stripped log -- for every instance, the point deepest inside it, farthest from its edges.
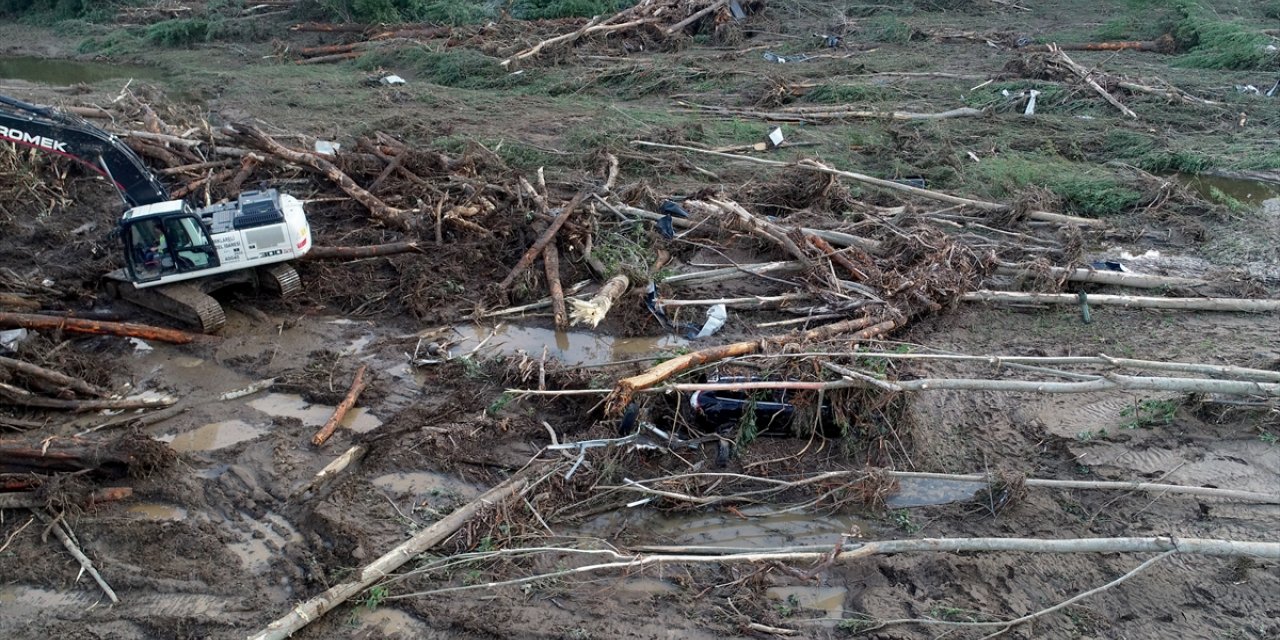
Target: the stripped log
(341, 410)
(330, 471)
(1087, 78)
(337, 57)
(551, 262)
(330, 27)
(312, 609)
(1163, 44)
(33, 499)
(48, 375)
(545, 239)
(109, 460)
(358, 253)
(1118, 278)
(79, 325)
(14, 301)
(1244, 305)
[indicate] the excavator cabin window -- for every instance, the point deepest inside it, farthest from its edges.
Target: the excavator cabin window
(166, 246)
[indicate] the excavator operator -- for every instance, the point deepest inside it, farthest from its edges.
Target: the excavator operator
(153, 255)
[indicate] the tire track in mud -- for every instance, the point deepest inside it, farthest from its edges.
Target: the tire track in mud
(141, 607)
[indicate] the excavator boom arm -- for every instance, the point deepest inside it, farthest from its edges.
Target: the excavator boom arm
(72, 137)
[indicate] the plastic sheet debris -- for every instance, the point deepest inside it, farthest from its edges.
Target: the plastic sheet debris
(327, 147)
(1031, 104)
(392, 79)
(1248, 89)
(666, 227)
(775, 137)
(672, 209)
(716, 317)
(9, 340)
(919, 183)
(720, 411)
(1108, 265)
(773, 57)
(736, 9)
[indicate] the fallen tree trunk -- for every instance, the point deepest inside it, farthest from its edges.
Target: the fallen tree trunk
(1244, 305)
(79, 325)
(33, 499)
(551, 263)
(110, 460)
(353, 394)
(380, 210)
(1118, 278)
(22, 397)
(592, 312)
(317, 606)
(358, 253)
(59, 379)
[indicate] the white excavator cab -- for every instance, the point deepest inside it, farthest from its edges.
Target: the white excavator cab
(166, 245)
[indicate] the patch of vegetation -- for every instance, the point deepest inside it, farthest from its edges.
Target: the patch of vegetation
(178, 33)
(1149, 413)
(1143, 151)
(48, 11)
(552, 9)
(1085, 190)
(459, 68)
(846, 93)
(888, 29)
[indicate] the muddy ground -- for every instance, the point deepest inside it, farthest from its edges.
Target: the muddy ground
(221, 543)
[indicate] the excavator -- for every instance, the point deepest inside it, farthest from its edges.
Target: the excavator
(174, 255)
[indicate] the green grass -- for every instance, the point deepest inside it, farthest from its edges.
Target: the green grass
(847, 93)
(1085, 190)
(887, 29)
(458, 68)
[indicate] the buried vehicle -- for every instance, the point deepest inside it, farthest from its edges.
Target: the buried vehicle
(174, 255)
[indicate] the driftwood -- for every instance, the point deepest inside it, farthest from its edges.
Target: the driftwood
(33, 499)
(834, 113)
(58, 379)
(547, 236)
(865, 329)
(86, 565)
(22, 397)
(78, 325)
(380, 210)
(1164, 44)
(1085, 76)
(339, 412)
(1134, 302)
(1103, 485)
(813, 165)
(14, 301)
(1118, 278)
(551, 262)
(331, 471)
(358, 253)
(104, 460)
(317, 606)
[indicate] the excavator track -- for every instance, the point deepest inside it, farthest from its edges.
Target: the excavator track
(280, 279)
(181, 302)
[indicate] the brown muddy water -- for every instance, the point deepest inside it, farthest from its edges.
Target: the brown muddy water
(1212, 188)
(575, 348)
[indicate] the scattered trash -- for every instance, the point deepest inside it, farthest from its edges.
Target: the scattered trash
(830, 42)
(919, 183)
(721, 411)
(666, 227)
(736, 9)
(716, 317)
(773, 57)
(775, 137)
(1248, 89)
(1108, 265)
(1271, 93)
(327, 147)
(672, 209)
(140, 346)
(9, 340)
(1023, 42)
(1031, 104)
(392, 79)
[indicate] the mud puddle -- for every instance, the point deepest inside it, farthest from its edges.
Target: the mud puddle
(1213, 188)
(425, 483)
(924, 492)
(218, 435)
(157, 511)
(270, 535)
(68, 72)
(287, 405)
(827, 600)
(574, 348)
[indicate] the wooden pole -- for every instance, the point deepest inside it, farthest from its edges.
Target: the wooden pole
(357, 253)
(81, 325)
(341, 410)
(312, 609)
(25, 398)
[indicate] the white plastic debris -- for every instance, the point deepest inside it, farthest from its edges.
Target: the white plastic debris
(392, 79)
(140, 346)
(775, 137)
(716, 317)
(1249, 89)
(327, 147)
(1031, 104)
(9, 340)
(47, 282)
